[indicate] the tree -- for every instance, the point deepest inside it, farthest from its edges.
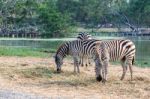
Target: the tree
(139, 12)
(88, 12)
(52, 22)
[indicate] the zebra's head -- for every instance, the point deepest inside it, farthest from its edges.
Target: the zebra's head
(59, 62)
(84, 36)
(61, 53)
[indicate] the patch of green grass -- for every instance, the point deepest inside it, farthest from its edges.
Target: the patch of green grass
(20, 51)
(145, 63)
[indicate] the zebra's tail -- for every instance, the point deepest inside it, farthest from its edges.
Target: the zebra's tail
(133, 61)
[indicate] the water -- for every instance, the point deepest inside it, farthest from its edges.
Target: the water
(142, 46)
(142, 52)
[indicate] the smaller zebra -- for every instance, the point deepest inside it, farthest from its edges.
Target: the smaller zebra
(76, 49)
(84, 36)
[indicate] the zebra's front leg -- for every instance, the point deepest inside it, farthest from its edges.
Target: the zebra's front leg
(105, 69)
(82, 59)
(76, 65)
(98, 69)
(87, 61)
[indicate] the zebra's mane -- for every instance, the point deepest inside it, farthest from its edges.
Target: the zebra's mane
(61, 48)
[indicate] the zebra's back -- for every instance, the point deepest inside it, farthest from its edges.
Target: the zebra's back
(82, 47)
(119, 49)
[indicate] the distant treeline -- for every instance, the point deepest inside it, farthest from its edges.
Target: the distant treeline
(58, 18)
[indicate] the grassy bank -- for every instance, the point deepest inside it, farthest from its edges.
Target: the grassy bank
(23, 51)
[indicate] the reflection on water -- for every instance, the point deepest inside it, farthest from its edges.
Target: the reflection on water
(142, 46)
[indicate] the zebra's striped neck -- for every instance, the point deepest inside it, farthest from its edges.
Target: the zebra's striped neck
(63, 50)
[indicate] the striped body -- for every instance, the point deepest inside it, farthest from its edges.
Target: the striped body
(120, 49)
(77, 49)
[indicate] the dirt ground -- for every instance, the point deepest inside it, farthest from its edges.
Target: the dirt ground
(23, 74)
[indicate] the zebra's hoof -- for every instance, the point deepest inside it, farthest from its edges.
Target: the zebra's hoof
(99, 78)
(103, 81)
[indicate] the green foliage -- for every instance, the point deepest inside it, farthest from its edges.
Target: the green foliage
(57, 18)
(52, 22)
(139, 12)
(89, 12)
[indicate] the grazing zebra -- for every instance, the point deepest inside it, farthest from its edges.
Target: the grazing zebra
(84, 36)
(76, 49)
(123, 50)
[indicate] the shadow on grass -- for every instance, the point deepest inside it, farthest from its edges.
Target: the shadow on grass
(73, 83)
(49, 77)
(40, 72)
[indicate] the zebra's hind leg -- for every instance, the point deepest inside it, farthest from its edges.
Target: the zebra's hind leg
(124, 67)
(131, 72)
(129, 62)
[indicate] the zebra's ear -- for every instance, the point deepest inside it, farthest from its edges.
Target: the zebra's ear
(98, 43)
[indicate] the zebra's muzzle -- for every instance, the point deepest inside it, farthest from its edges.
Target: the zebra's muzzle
(99, 78)
(58, 70)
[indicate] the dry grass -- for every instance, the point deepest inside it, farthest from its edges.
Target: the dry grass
(38, 76)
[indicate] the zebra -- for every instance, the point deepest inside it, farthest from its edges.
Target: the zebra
(123, 50)
(76, 49)
(84, 36)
